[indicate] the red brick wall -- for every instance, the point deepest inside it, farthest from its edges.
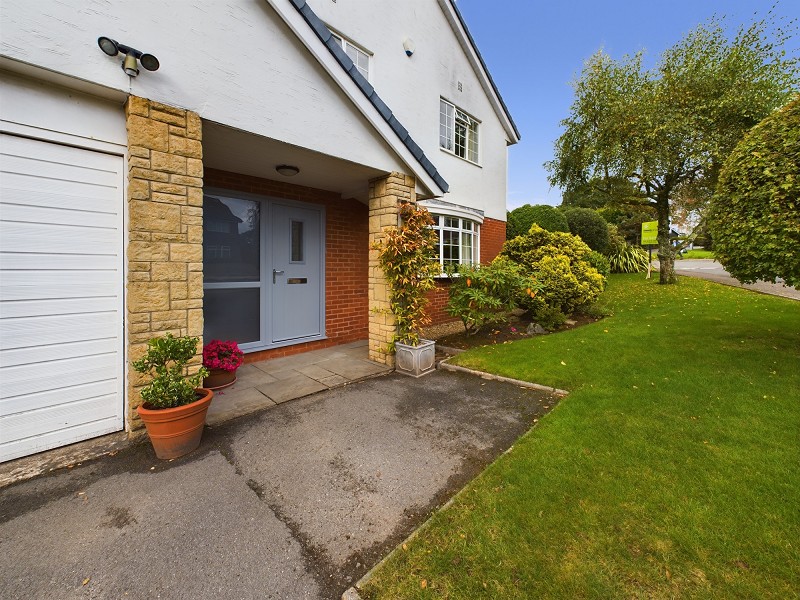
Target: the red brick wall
(437, 300)
(493, 235)
(346, 255)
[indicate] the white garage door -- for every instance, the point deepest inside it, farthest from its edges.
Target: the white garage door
(61, 278)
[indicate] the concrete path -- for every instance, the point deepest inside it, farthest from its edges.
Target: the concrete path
(297, 501)
(713, 271)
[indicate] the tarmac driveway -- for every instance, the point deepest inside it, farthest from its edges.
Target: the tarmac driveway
(295, 502)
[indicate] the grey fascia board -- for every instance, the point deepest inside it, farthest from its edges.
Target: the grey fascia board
(361, 81)
(339, 53)
(324, 34)
(378, 103)
(316, 23)
(441, 182)
(414, 148)
(398, 128)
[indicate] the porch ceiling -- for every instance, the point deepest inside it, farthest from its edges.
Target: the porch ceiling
(238, 151)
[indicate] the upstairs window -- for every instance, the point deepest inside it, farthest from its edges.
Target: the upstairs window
(458, 132)
(357, 55)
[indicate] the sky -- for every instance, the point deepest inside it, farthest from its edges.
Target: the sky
(535, 49)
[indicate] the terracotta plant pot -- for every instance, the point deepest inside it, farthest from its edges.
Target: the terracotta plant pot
(176, 431)
(218, 379)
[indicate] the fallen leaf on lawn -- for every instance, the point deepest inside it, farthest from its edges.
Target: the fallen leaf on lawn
(563, 363)
(423, 584)
(405, 546)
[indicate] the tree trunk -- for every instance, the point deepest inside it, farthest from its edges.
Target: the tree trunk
(666, 254)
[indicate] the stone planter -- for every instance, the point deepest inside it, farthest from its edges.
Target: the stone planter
(415, 361)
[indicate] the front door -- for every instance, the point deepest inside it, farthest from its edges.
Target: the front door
(263, 275)
(296, 272)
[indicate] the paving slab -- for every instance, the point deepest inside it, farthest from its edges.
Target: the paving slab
(251, 376)
(350, 368)
(291, 388)
(231, 403)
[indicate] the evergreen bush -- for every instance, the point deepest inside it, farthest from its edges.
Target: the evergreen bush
(560, 263)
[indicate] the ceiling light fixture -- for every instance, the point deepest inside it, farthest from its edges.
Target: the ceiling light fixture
(130, 64)
(287, 170)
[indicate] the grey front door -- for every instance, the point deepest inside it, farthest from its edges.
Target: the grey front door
(296, 274)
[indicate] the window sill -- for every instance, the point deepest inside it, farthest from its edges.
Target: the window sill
(454, 155)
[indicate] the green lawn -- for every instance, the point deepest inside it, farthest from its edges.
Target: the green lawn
(698, 254)
(671, 470)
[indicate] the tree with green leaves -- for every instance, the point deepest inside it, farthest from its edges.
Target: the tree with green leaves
(755, 214)
(547, 217)
(669, 129)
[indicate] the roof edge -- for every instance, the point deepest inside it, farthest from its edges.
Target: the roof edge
(323, 33)
(485, 70)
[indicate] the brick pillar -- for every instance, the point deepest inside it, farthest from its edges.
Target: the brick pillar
(165, 230)
(385, 196)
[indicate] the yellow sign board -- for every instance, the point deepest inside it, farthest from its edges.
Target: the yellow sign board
(649, 233)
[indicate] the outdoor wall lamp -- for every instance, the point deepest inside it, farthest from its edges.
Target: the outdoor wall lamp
(287, 170)
(408, 46)
(132, 55)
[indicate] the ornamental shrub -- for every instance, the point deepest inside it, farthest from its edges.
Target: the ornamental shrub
(407, 255)
(628, 259)
(549, 318)
(547, 217)
(754, 216)
(588, 225)
(485, 294)
(599, 262)
(165, 362)
(560, 263)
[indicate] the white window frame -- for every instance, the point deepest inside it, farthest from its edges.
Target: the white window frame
(454, 123)
(360, 57)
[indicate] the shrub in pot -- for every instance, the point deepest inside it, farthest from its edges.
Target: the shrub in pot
(407, 256)
(222, 359)
(175, 406)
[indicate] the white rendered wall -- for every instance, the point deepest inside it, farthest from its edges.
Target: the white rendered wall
(54, 109)
(235, 62)
(232, 61)
(412, 88)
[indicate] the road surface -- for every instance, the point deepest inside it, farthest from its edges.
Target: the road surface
(713, 271)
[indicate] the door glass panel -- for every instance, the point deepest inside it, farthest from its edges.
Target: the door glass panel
(231, 239)
(297, 241)
(232, 314)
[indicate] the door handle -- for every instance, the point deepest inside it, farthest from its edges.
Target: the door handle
(274, 273)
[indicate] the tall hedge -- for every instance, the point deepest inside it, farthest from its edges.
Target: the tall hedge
(588, 225)
(755, 214)
(547, 217)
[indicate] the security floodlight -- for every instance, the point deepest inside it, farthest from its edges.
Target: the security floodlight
(132, 55)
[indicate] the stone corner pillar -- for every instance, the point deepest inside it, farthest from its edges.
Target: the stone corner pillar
(165, 231)
(386, 194)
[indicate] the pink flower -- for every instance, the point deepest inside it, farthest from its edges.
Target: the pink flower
(222, 355)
